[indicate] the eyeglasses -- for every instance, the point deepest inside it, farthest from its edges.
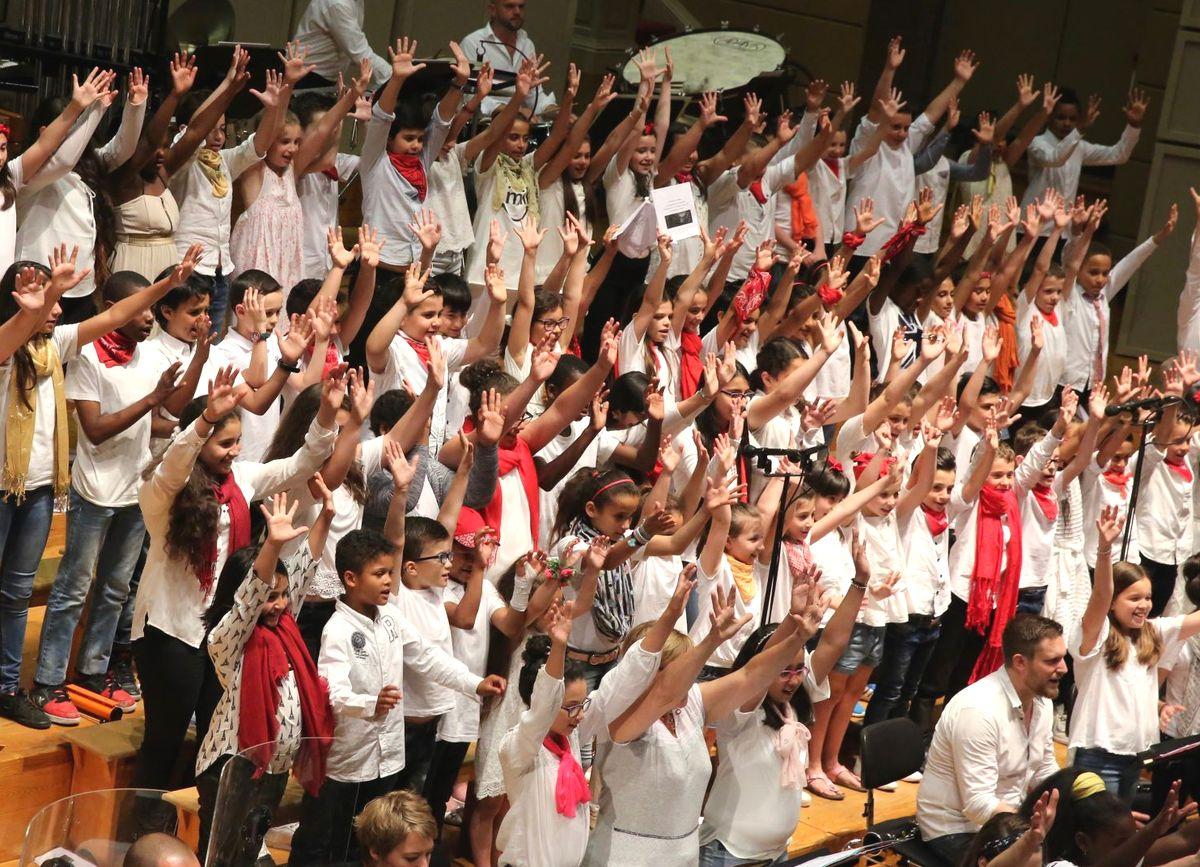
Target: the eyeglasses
(554, 323)
(734, 395)
(444, 557)
(796, 671)
(577, 709)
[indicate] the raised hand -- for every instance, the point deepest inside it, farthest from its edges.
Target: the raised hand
(294, 58)
(709, 108)
(223, 396)
(1050, 97)
(1026, 91)
(427, 228)
(1093, 112)
(401, 58)
(269, 96)
(965, 65)
(1160, 237)
(183, 73)
(338, 254)
(1135, 107)
(279, 519)
(814, 94)
(895, 53)
(723, 621)
(63, 276)
(362, 397)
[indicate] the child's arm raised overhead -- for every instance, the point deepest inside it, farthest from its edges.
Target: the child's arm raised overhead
(1109, 527)
(662, 110)
(384, 332)
(981, 462)
(615, 142)
(964, 67)
(210, 111)
(318, 140)
(754, 165)
(574, 398)
(712, 168)
(529, 76)
(551, 473)
(1019, 145)
(522, 316)
(95, 86)
(896, 392)
(883, 87)
(462, 613)
(836, 634)
(553, 143)
(488, 340)
(554, 169)
(403, 68)
(686, 143)
(792, 386)
(1086, 450)
(154, 135)
(122, 311)
(921, 479)
(852, 505)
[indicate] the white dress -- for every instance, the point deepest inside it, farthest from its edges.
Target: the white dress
(653, 793)
(489, 776)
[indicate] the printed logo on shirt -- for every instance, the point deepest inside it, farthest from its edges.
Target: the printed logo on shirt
(390, 626)
(359, 642)
(516, 204)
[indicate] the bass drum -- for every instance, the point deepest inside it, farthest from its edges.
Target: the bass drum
(717, 59)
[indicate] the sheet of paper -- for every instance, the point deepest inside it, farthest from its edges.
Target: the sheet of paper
(639, 232)
(675, 208)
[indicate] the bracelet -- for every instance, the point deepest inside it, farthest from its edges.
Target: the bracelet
(290, 368)
(857, 586)
(641, 535)
(204, 415)
(454, 85)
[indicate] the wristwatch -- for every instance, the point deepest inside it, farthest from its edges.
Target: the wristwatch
(260, 337)
(290, 368)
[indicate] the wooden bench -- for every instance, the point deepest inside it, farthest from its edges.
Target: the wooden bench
(102, 755)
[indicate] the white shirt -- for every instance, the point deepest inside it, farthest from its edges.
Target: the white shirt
(359, 657)
(620, 193)
(1055, 162)
(389, 202)
(42, 452)
(982, 757)
(1081, 325)
(234, 351)
(169, 597)
(1098, 494)
(332, 32)
(888, 177)
(55, 206)
(513, 213)
(885, 553)
(882, 326)
(403, 363)
(1164, 509)
(470, 647)
(927, 579)
(484, 45)
(1179, 664)
(964, 521)
(109, 474)
(748, 811)
(552, 215)
(833, 555)
(1037, 532)
(426, 612)
(1052, 361)
(204, 218)
(938, 180)
(828, 192)
(448, 199)
(654, 582)
(1117, 710)
(318, 194)
(729, 203)
(1188, 333)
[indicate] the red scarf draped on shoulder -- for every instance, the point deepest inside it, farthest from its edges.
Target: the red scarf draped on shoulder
(691, 365)
(114, 349)
(519, 457)
(756, 190)
(994, 593)
(228, 494)
(333, 358)
(412, 170)
(571, 786)
(269, 655)
(420, 348)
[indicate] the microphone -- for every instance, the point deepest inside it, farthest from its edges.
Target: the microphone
(1151, 403)
(762, 454)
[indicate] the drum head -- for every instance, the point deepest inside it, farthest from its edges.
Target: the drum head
(713, 59)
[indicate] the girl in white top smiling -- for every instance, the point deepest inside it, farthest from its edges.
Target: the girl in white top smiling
(1116, 647)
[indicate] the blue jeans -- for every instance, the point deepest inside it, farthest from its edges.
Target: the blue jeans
(1120, 773)
(124, 634)
(715, 854)
(103, 543)
(907, 648)
(218, 301)
(24, 527)
(1031, 600)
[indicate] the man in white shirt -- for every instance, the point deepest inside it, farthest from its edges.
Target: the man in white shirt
(994, 742)
(504, 44)
(332, 31)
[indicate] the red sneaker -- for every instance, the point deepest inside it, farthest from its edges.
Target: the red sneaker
(54, 703)
(106, 685)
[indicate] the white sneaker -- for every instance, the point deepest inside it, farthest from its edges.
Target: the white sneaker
(805, 798)
(888, 787)
(914, 777)
(1060, 727)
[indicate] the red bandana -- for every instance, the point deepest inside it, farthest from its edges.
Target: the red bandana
(993, 596)
(937, 522)
(332, 174)
(905, 237)
(520, 458)
(750, 297)
(570, 786)
(853, 240)
(683, 177)
(333, 358)
(420, 349)
(412, 170)
(691, 366)
(1046, 501)
(114, 349)
(1051, 317)
(863, 459)
(228, 494)
(832, 164)
(1119, 481)
(828, 295)
(1180, 469)
(269, 655)
(756, 190)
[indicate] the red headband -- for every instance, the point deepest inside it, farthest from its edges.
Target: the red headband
(863, 459)
(5, 131)
(604, 488)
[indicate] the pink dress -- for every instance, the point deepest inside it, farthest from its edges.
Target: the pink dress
(268, 235)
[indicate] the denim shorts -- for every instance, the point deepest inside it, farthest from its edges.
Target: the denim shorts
(865, 648)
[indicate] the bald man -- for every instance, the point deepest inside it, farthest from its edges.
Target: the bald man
(160, 850)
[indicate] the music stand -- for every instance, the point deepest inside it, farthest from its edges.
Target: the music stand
(1168, 750)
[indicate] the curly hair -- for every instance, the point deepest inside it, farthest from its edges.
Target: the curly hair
(195, 513)
(589, 485)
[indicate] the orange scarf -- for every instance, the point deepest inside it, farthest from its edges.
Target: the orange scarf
(1006, 364)
(805, 223)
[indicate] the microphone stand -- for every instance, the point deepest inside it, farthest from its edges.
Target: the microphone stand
(1147, 424)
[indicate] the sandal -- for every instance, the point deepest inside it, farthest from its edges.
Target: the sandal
(821, 786)
(845, 778)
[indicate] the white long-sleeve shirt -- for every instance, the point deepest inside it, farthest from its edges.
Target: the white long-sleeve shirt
(1079, 317)
(359, 657)
(1188, 336)
(1164, 508)
(983, 757)
(888, 177)
(533, 832)
(1057, 162)
(55, 206)
(332, 31)
(484, 45)
(169, 597)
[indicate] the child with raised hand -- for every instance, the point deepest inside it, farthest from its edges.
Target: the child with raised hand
(643, 339)
(1057, 156)
(1116, 647)
(273, 697)
(398, 348)
(1188, 318)
(195, 504)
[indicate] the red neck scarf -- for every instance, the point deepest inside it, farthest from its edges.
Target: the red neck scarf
(937, 522)
(691, 366)
(114, 349)
(994, 593)
(1046, 501)
(412, 170)
(1180, 469)
(683, 177)
(333, 358)
(331, 173)
(520, 458)
(269, 655)
(832, 164)
(1051, 316)
(756, 190)
(752, 294)
(571, 787)
(228, 494)
(1119, 481)
(419, 348)
(799, 556)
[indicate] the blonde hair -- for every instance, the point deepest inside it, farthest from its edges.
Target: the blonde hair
(386, 822)
(676, 645)
(1145, 639)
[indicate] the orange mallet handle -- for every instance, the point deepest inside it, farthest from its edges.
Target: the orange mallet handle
(94, 704)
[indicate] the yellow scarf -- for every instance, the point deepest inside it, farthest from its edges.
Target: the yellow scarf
(212, 167)
(22, 420)
(514, 175)
(743, 578)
